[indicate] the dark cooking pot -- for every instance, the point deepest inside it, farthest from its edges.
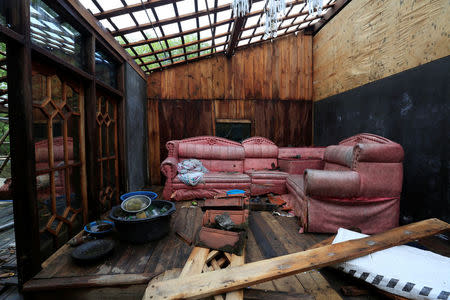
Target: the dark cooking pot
(143, 230)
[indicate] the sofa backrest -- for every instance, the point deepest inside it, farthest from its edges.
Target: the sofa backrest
(378, 160)
(216, 154)
(260, 153)
(365, 138)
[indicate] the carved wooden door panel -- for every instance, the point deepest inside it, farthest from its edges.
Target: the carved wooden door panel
(108, 158)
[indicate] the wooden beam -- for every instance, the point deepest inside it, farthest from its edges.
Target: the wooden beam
(177, 35)
(91, 136)
(94, 23)
(183, 54)
(226, 280)
(133, 8)
(167, 21)
(179, 46)
(238, 24)
(338, 5)
(236, 261)
(23, 166)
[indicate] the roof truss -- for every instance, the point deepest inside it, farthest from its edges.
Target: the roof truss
(162, 33)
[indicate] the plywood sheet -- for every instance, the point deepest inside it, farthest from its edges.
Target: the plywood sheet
(369, 40)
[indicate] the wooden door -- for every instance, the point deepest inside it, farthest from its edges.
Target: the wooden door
(58, 130)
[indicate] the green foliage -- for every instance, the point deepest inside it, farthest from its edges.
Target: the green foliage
(157, 46)
(4, 125)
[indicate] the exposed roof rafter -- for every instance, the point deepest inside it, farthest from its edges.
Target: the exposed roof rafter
(181, 31)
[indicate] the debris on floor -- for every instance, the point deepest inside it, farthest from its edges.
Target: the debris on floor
(218, 282)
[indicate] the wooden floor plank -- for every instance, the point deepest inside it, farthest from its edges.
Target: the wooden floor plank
(312, 281)
(263, 236)
(254, 254)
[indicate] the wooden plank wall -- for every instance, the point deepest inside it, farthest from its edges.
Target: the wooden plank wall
(370, 40)
(269, 84)
(279, 70)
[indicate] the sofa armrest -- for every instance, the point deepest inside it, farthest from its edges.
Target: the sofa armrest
(301, 152)
(169, 167)
(333, 184)
(387, 153)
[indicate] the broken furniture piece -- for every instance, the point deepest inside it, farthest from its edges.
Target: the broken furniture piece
(229, 203)
(224, 230)
(359, 187)
(203, 260)
(226, 280)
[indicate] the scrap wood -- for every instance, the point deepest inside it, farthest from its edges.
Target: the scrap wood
(230, 279)
(195, 262)
(235, 261)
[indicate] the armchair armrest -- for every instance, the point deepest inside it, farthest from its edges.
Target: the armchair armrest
(169, 167)
(333, 184)
(301, 152)
(387, 153)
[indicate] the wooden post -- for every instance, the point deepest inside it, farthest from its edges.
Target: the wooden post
(121, 141)
(91, 138)
(26, 222)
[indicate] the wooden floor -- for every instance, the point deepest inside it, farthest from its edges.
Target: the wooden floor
(269, 236)
(126, 273)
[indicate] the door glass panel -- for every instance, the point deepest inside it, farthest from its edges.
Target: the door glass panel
(56, 130)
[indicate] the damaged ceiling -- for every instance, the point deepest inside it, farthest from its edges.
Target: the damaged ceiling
(163, 33)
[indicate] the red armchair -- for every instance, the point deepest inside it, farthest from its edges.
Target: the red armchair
(358, 187)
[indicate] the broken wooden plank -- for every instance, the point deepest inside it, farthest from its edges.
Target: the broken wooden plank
(235, 261)
(225, 280)
(195, 262)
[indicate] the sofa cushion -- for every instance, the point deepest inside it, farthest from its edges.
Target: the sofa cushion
(388, 153)
(302, 152)
(260, 163)
(221, 177)
(296, 184)
(206, 151)
(267, 174)
(260, 153)
(341, 155)
(260, 150)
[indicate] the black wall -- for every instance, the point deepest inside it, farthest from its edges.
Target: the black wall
(136, 129)
(411, 108)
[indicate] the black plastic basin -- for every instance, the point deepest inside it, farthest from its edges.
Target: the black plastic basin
(144, 230)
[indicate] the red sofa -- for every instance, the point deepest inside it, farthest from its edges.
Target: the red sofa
(359, 187)
(250, 166)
